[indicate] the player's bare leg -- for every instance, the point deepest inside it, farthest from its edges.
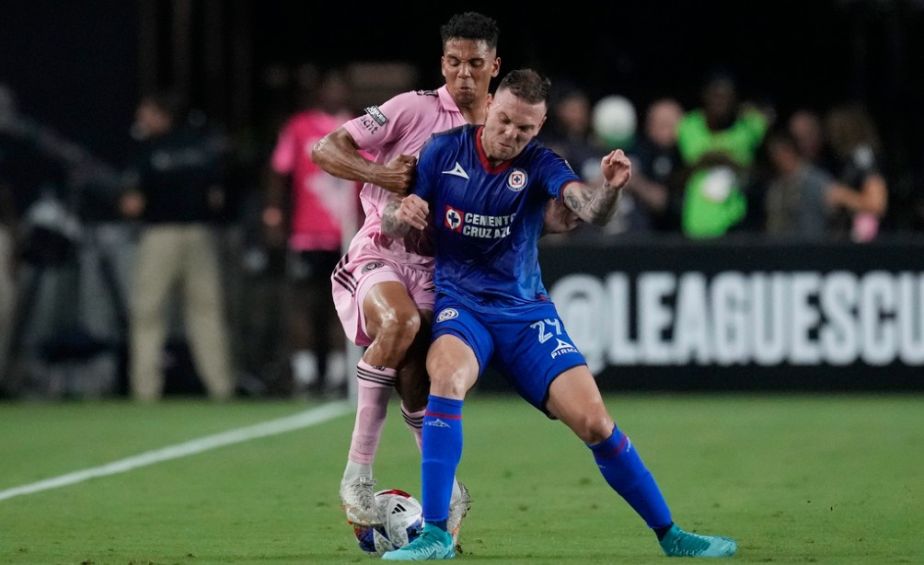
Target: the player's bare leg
(392, 321)
(575, 400)
(414, 387)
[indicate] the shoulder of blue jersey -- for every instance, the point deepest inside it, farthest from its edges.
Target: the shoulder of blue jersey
(456, 131)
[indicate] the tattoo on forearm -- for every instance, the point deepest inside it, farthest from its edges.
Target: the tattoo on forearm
(390, 224)
(594, 206)
(573, 203)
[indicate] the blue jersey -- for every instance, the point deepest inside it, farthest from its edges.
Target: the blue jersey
(487, 220)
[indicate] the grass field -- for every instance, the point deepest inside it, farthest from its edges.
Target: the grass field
(795, 479)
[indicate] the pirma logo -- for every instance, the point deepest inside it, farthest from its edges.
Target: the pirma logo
(516, 180)
(563, 347)
(447, 314)
(454, 218)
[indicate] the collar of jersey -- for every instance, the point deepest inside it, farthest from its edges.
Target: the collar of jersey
(446, 100)
(483, 157)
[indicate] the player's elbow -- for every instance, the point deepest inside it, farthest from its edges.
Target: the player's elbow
(318, 152)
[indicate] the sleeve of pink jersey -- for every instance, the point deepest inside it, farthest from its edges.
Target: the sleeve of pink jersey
(379, 126)
(283, 160)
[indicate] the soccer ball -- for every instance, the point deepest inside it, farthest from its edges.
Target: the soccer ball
(402, 522)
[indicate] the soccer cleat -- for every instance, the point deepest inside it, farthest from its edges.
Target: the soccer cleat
(434, 543)
(679, 543)
(357, 498)
(458, 508)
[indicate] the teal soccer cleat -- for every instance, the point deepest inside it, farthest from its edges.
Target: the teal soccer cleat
(433, 543)
(678, 543)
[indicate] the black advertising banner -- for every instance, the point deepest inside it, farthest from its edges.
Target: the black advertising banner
(733, 316)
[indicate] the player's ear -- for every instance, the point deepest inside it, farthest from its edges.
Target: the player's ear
(495, 69)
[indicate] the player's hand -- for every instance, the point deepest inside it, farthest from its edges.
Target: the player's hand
(413, 212)
(398, 174)
(616, 168)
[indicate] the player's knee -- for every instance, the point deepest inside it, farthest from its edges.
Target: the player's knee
(398, 328)
(447, 381)
(594, 427)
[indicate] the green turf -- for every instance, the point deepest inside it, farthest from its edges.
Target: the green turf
(794, 479)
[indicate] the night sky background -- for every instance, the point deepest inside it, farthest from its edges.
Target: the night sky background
(75, 65)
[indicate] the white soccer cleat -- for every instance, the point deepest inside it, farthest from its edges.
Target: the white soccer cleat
(357, 497)
(458, 508)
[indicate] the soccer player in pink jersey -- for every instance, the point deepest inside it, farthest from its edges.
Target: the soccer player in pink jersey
(383, 288)
(319, 203)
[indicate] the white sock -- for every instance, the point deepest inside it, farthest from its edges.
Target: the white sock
(456, 491)
(355, 470)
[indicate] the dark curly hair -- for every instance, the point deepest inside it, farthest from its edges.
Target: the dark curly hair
(471, 25)
(528, 85)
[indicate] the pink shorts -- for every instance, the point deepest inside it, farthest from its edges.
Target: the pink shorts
(352, 281)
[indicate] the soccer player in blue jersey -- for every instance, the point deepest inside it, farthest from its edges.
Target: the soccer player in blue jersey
(486, 187)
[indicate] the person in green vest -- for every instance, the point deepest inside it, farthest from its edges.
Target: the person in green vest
(717, 143)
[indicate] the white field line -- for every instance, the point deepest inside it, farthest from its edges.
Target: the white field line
(304, 419)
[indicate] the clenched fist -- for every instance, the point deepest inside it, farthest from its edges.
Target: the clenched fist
(398, 174)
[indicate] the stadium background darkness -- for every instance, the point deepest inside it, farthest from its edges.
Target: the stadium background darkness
(80, 67)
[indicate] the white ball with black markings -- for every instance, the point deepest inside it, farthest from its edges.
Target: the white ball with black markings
(402, 522)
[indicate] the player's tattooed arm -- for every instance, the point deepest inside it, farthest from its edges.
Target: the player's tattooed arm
(402, 214)
(598, 205)
(407, 219)
(391, 225)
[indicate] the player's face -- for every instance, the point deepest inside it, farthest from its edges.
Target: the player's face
(512, 123)
(468, 66)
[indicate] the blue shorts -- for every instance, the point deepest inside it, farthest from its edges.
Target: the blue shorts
(529, 344)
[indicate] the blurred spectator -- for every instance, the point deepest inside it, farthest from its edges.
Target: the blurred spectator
(856, 148)
(306, 207)
(807, 133)
(569, 133)
(799, 199)
(718, 144)
(646, 203)
(175, 191)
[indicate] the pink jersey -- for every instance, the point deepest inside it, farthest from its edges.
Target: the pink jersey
(401, 125)
(320, 202)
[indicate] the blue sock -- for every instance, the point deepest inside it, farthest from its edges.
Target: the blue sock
(442, 450)
(625, 472)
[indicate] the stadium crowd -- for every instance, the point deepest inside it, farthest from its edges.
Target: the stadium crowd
(100, 263)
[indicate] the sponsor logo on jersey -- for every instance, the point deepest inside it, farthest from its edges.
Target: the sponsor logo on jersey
(368, 123)
(372, 266)
(562, 348)
(516, 180)
(486, 227)
(426, 93)
(453, 219)
(447, 314)
(457, 171)
(377, 115)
